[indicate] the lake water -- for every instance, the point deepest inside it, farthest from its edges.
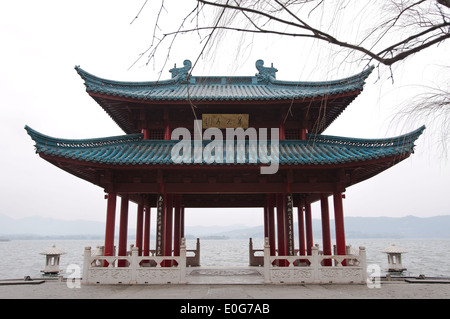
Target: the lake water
(430, 257)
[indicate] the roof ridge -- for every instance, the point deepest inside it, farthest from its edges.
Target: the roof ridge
(407, 138)
(403, 139)
(180, 77)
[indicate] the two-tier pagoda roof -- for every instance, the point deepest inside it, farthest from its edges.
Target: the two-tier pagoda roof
(130, 163)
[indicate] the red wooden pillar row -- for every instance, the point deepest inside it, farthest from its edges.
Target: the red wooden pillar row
(110, 225)
(326, 239)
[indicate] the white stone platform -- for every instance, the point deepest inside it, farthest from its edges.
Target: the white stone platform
(223, 275)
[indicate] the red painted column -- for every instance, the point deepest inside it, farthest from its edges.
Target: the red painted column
(110, 225)
(301, 230)
(147, 216)
(123, 230)
(308, 228)
(282, 131)
(339, 223)
(303, 133)
(167, 133)
(271, 220)
(326, 240)
(182, 222)
(168, 226)
(139, 227)
(177, 226)
(281, 227)
(266, 219)
(146, 133)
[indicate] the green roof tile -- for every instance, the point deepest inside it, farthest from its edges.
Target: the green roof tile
(133, 150)
(182, 86)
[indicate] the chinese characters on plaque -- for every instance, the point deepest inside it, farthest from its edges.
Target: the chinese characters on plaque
(223, 121)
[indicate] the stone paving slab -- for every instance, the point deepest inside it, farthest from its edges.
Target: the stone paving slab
(225, 275)
(392, 290)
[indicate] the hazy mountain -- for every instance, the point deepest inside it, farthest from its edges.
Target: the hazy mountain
(40, 226)
(366, 227)
(355, 227)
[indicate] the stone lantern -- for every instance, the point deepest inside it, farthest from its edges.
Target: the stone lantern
(394, 254)
(52, 260)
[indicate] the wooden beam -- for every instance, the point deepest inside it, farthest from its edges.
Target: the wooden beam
(225, 188)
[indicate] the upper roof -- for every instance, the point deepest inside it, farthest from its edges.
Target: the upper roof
(182, 86)
(124, 101)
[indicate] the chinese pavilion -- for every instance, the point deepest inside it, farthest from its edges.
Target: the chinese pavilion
(140, 165)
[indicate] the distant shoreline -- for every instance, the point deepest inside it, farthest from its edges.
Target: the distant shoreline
(408, 227)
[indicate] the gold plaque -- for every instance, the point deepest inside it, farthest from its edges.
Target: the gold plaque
(225, 120)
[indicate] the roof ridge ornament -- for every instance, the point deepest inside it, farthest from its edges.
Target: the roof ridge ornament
(265, 72)
(181, 72)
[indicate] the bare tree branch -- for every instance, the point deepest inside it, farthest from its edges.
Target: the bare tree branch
(395, 51)
(394, 31)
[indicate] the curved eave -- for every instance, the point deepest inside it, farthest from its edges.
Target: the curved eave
(89, 159)
(132, 151)
(230, 89)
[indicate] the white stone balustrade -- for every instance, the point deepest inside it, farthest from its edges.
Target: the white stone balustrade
(135, 269)
(310, 269)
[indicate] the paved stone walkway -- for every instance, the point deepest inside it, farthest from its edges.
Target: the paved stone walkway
(226, 283)
(59, 290)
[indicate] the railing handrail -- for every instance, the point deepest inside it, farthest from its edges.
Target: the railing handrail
(111, 259)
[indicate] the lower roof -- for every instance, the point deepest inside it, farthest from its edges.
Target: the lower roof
(133, 150)
(130, 164)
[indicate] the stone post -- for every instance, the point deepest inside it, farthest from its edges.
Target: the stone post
(182, 263)
(86, 265)
(267, 263)
(315, 264)
(363, 263)
(134, 265)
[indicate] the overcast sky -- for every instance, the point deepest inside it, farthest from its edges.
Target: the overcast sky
(42, 41)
